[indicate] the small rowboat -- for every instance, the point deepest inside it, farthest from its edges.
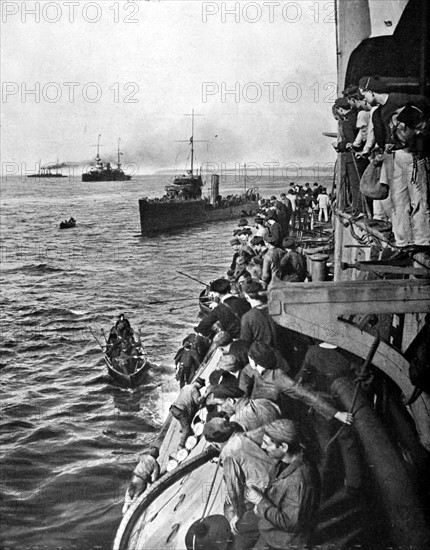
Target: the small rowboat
(124, 354)
(204, 302)
(132, 380)
(67, 224)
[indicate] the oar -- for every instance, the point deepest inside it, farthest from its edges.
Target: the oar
(175, 308)
(171, 300)
(192, 278)
(96, 339)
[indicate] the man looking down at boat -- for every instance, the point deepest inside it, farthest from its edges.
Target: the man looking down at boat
(322, 366)
(248, 413)
(185, 407)
(257, 324)
(293, 266)
(145, 473)
(245, 466)
(237, 348)
(264, 379)
(228, 313)
(287, 509)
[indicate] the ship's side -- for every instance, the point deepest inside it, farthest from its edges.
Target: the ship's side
(159, 216)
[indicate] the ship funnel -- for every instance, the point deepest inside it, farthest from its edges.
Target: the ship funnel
(214, 188)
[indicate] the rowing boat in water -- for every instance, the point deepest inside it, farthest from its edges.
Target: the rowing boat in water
(132, 380)
(68, 224)
(124, 354)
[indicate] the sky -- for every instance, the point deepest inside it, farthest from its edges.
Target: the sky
(259, 75)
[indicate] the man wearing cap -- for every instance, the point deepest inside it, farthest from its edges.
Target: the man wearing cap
(261, 230)
(274, 228)
(269, 381)
(236, 348)
(272, 260)
(323, 364)
(185, 407)
(288, 507)
(375, 93)
(282, 213)
(259, 245)
(257, 324)
(237, 247)
(293, 265)
(228, 312)
(245, 465)
(249, 413)
(350, 171)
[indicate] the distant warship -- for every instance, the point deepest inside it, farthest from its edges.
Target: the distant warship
(46, 171)
(183, 205)
(101, 172)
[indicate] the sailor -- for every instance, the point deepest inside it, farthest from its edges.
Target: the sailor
(289, 210)
(261, 229)
(274, 228)
(287, 509)
(228, 312)
(187, 361)
(145, 473)
(269, 381)
(237, 247)
(185, 407)
(245, 465)
(237, 348)
(256, 323)
(249, 413)
(323, 364)
(293, 265)
(272, 260)
(282, 213)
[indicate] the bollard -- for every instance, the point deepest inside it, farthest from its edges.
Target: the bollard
(318, 266)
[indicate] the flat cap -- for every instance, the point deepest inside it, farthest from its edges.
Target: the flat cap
(263, 355)
(373, 84)
(218, 430)
(220, 285)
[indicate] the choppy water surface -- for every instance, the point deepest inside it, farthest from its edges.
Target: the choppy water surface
(70, 436)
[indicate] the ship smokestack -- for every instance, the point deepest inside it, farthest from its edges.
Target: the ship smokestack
(214, 188)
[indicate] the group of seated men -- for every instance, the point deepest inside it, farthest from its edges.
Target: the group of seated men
(258, 411)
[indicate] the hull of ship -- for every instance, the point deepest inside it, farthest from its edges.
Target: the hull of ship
(181, 495)
(43, 176)
(158, 217)
(106, 176)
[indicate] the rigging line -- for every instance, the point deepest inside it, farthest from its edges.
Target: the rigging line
(214, 499)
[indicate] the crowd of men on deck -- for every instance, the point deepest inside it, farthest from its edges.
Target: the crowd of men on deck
(260, 406)
(384, 141)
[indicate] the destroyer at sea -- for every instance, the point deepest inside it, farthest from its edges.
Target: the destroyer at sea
(183, 205)
(46, 171)
(101, 172)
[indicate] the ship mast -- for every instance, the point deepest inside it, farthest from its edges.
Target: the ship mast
(119, 154)
(192, 143)
(98, 149)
